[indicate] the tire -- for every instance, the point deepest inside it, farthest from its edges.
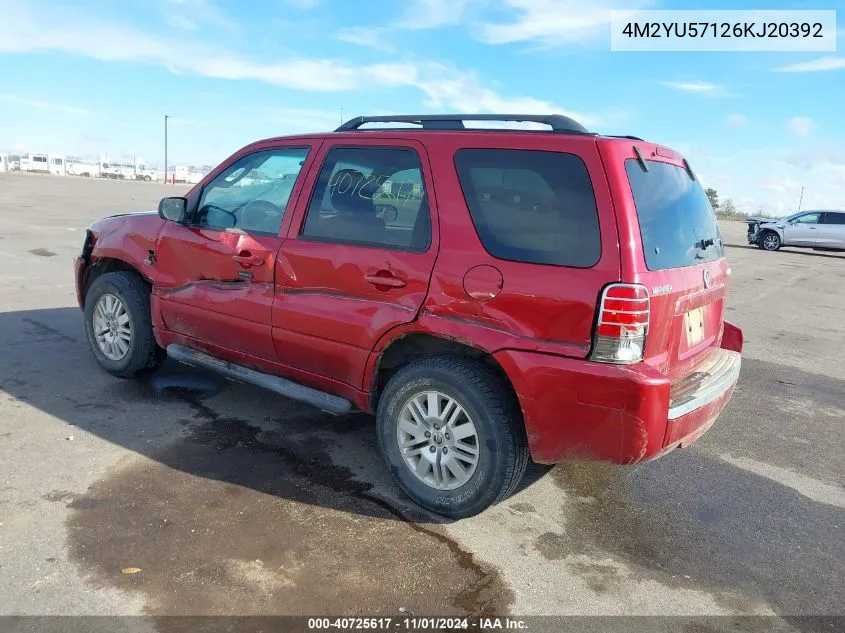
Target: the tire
(500, 443)
(142, 354)
(147, 178)
(770, 241)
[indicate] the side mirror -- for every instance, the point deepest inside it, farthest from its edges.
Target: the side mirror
(174, 209)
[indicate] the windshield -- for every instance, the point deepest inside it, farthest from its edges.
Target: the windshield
(677, 223)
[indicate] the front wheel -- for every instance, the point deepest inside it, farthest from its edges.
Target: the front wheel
(770, 241)
(119, 325)
(451, 435)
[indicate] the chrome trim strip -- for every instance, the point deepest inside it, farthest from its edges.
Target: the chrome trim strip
(709, 391)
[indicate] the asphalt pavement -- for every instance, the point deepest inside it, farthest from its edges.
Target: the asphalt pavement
(231, 500)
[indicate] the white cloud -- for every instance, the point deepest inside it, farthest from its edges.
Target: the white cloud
(817, 65)
(737, 119)
(432, 14)
(466, 94)
(771, 177)
(371, 37)
(556, 22)
(696, 87)
(801, 126)
(47, 106)
(445, 87)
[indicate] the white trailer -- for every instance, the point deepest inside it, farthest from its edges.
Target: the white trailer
(58, 165)
(77, 167)
(4, 163)
(35, 163)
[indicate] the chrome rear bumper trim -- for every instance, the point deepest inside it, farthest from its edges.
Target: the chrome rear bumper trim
(720, 374)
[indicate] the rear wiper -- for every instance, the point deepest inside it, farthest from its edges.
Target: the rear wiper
(705, 243)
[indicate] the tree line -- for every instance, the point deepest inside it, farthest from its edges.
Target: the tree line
(725, 208)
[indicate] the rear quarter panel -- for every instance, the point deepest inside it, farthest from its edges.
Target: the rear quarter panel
(539, 307)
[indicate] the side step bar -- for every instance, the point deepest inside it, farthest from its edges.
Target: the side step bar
(316, 398)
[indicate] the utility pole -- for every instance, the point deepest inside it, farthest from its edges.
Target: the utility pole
(165, 148)
(800, 199)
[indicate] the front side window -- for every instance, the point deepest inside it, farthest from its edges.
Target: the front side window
(370, 196)
(252, 193)
(809, 218)
(531, 206)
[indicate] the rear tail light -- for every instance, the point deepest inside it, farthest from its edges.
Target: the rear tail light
(622, 324)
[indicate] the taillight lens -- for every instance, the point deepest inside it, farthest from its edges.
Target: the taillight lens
(622, 324)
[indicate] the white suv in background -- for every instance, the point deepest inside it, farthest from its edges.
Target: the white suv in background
(818, 229)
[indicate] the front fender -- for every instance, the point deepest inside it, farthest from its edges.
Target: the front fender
(130, 239)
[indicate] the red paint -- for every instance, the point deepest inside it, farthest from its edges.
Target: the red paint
(483, 283)
(324, 313)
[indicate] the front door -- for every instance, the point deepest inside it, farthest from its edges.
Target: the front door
(219, 266)
(802, 231)
(358, 257)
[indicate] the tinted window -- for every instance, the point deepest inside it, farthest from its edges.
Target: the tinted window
(372, 196)
(531, 206)
(677, 223)
(252, 194)
(834, 218)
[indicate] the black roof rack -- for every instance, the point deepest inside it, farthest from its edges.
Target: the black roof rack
(557, 122)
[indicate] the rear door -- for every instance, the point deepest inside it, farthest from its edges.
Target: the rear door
(674, 249)
(358, 257)
(831, 230)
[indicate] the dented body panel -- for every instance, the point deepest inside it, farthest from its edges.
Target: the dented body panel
(310, 311)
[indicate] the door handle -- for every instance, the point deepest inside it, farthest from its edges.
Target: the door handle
(385, 278)
(245, 258)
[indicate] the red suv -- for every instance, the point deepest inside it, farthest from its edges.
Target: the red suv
(490, 294)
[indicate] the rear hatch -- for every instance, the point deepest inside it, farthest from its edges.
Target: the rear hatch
(676, 252)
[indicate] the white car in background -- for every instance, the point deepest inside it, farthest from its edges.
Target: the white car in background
(817, 229)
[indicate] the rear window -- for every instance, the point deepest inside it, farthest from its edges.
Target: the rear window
(677, 223)
(531, 206)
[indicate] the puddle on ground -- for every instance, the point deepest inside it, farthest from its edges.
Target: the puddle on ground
(234, 519)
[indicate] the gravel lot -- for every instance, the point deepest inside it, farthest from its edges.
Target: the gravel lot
(235, 501)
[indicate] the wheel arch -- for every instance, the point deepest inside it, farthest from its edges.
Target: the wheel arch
(773, 231)
(413, 346)
(104, 265)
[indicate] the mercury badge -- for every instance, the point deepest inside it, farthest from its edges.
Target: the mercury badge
(706, 279)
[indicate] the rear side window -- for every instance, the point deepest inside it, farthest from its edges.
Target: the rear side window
(677, 223)
(531, 206)
(834, 218)
(373, 196)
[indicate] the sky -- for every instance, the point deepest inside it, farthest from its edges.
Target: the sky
(92, 78)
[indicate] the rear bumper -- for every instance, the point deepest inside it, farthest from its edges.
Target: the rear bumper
(577, 409)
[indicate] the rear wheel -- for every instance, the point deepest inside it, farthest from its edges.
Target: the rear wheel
(770, 241)
(451, 435)
(119, 325)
